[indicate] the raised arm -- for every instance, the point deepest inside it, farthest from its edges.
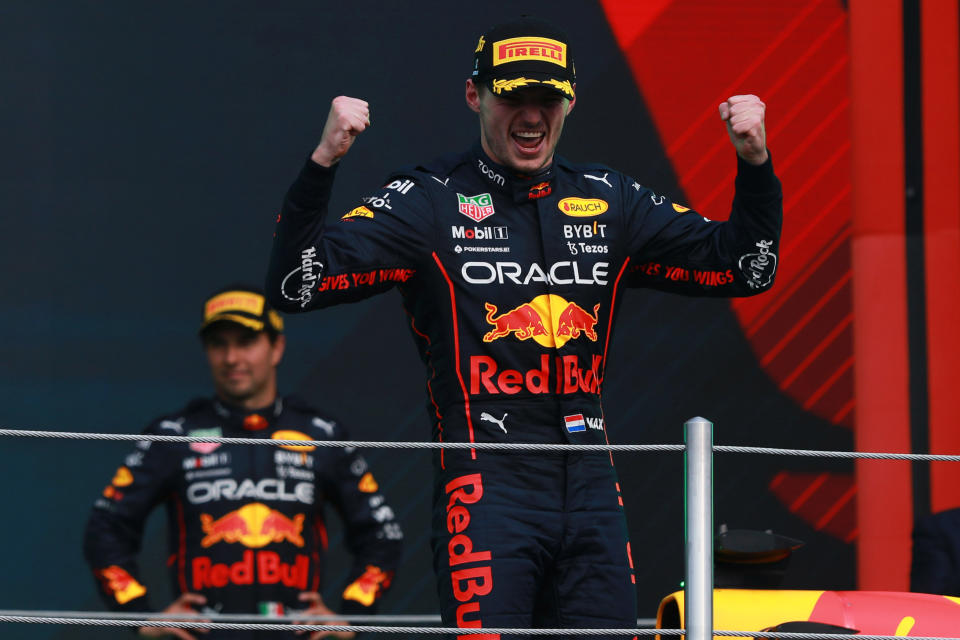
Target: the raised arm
(677, 249)
(318, 260)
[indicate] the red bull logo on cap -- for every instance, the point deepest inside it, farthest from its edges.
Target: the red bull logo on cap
(548, 319)
(254, 525)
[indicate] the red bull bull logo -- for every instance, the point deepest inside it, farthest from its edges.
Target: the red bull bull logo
(122, 478)
(524, 322)
(574, 320)
(540, 190)
(367, 588)
(254, 525)
(118, 582)
(548, 319)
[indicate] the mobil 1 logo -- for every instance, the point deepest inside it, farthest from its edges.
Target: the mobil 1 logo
(459, 232)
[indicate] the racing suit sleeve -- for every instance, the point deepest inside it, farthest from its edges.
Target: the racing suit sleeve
(115, 528)
(372, 534)
(674, 248)
(318, 262)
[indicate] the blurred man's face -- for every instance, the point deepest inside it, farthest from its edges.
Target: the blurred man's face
(243, 364)
(519, 129)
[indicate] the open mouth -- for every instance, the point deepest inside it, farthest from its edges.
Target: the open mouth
(528, 142)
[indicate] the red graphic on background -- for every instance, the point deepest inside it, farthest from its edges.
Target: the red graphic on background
(794, 55)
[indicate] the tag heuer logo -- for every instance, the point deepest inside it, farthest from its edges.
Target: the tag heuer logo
(476, 207)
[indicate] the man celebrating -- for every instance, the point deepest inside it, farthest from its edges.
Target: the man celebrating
(511, 261)
(246, 522)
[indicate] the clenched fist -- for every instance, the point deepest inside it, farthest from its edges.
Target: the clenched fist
(744, 118)
(348, 118)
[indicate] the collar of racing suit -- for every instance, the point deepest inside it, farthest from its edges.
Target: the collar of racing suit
(524, 188)
(241, 419)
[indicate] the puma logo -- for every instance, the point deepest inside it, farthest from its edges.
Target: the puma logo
(489, 418)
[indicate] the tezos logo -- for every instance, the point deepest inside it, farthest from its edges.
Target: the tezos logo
(585, 232)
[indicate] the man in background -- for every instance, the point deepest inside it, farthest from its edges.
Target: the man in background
(935, 565)
(246, 528)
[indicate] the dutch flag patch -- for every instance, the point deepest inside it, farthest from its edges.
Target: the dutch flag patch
(575, 423)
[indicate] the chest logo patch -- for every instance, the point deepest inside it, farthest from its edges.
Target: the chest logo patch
(253, 525)
(582, 207)
(537, 191)
(476, 208)
(205, 447)
(289, 434)
(549, 319)
(359, 212)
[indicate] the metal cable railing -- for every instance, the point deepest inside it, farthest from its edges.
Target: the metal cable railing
(698, 453)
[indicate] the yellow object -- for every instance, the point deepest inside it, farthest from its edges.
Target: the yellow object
(742, 610)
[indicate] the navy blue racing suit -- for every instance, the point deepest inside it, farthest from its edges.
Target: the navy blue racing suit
(245, 522)
(512, 284)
